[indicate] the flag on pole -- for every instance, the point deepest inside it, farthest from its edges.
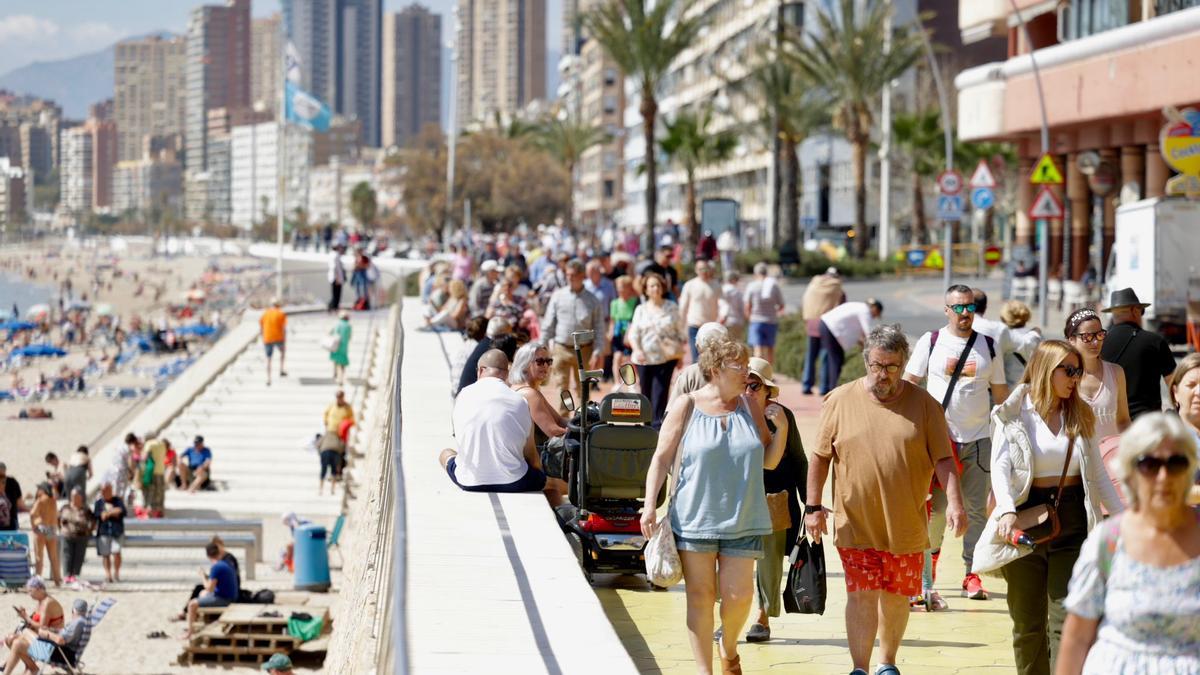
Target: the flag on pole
(305, 109)
(291, 63)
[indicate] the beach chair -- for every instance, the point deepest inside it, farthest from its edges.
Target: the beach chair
(336, 535)
(14, 559)
(98, 611)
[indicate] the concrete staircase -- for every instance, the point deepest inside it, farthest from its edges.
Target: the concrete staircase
(259, 436)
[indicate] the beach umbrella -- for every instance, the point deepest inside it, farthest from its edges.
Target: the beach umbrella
(198, 329)
(12, 326)
(104, 309)
(78, 304)
(37, 311)
(197, 295)
(38, 350)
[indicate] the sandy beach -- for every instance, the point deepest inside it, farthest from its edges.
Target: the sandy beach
(142, 289)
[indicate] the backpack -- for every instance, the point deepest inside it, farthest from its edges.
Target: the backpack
(148, 471)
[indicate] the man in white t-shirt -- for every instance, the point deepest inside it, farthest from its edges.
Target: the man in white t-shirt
(979, 386)
(1007, 342)
(698, 302)
(494, 428)
(841, 329)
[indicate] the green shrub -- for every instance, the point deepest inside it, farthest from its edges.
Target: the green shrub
(792, 345)
(813, 263)
(412, 284)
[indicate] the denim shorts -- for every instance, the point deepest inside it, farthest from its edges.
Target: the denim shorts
(762, 334)
(738, 547)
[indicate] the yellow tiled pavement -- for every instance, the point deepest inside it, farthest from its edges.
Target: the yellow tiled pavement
(972, 637)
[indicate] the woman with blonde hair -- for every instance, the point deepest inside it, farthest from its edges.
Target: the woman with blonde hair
(453, 314)
(1134, 598)
(719, 513)
(1044, 455)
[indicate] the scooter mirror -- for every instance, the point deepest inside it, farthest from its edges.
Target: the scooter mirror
(628, 374)
(567, 399)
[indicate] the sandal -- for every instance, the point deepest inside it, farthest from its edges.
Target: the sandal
(730, 666)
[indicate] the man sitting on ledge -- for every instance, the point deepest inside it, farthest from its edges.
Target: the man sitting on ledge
(496, 452)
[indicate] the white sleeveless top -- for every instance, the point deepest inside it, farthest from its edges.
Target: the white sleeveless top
(1104, 403)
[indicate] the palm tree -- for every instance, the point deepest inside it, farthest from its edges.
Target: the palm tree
(566, 138)
(846, 57)
(919, 135)
(643, 37)
(690, 145)
(362, 204)
(793, 108)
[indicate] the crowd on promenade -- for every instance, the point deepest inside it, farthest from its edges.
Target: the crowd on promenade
(1053, 458)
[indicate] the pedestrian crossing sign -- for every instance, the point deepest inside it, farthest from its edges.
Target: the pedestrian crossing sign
(1046, 172)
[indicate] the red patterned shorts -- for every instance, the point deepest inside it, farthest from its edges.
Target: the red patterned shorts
(870, 570)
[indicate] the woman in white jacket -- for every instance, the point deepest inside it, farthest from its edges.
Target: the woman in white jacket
(1043, 427)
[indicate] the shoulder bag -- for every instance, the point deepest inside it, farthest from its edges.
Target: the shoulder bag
(1041, 522)
(663, 566)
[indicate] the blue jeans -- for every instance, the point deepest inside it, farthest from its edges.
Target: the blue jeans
(692, 331)
(834, 357)
(810, 363)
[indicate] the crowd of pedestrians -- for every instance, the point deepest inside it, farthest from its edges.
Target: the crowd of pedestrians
(1031, 449)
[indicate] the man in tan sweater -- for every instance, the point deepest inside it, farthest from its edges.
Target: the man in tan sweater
(824, 292)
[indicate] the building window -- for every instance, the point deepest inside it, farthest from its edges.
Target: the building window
(609, 189)
(1167, 6)
(1089, 17)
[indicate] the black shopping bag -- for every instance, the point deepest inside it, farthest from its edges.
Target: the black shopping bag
(805, 591)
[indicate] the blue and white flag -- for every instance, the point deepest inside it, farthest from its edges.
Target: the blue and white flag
(291, 63)
(305, 109)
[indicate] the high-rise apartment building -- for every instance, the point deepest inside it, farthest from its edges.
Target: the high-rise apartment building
(600, 174)
(412, 73)
(30, 129)
(14, 194)
(149, 186)
(501, 57)
(218, 76)
(340, 43)
(265, 63)
(149, 91)
(89, 152)
(254, 165)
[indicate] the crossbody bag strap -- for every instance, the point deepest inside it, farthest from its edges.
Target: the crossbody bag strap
(1063, 478)
(687, 418)
(958, 368)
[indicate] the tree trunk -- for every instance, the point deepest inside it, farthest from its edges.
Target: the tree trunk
(571, 198)
(778, 226)
(858, 154)
(791, 193)
(689, 214)
(649, 110)
(920, 231)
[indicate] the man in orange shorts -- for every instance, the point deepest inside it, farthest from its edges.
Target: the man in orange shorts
(885, 439)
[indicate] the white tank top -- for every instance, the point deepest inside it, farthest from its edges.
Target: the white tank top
(1104, 403)
(1049, 448)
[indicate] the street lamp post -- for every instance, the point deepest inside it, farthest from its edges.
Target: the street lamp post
(452, 142)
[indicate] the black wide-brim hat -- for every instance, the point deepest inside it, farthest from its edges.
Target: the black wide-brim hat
(1125, 297)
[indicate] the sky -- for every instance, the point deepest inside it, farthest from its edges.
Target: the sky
(47, 30)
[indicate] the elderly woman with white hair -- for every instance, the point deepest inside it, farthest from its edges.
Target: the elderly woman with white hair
(530, 368)
(1134, 600)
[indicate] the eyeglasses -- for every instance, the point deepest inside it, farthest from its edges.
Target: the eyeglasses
(877, 368)
(543, 362)
(736, 367)
(962, 309)
(1149, 465)
(754, 386)
(1089, 338)
(1071, 371)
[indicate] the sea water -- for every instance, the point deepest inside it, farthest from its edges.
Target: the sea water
(22, 293)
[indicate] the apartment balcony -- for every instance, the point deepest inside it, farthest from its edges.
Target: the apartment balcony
(1117, 73)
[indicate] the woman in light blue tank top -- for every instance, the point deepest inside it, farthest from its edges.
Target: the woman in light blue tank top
(719, 512)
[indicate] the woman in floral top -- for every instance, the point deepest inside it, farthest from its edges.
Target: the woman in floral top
(1134, 598)
(657, 337)
(76, 522)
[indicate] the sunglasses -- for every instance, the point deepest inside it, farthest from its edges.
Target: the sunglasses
(1089, 338)
(962, 309)
(877, 368)
(754, 386)
(1149, 465)
(1071, 371)
(544, 362)
(736, 367)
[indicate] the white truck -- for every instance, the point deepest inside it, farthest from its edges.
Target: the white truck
(1156, 252)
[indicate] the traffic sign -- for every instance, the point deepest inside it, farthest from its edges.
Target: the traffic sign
(934, 260)
(950, 182)
(991, 256)
(983, 178)
(1046, 204)
(983, 197)
(916, 257)
(950, 207)
(1046, 172)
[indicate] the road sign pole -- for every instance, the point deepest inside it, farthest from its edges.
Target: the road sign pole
(947, 253)
(1043, 230)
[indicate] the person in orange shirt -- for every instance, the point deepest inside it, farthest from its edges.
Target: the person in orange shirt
(274, 333)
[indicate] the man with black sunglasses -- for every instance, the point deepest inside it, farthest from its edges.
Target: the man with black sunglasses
(1144, 355)
(964, 372)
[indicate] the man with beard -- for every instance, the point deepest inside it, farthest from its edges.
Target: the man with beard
(885, 439)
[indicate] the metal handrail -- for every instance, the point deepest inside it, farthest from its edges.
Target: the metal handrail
(397, 656)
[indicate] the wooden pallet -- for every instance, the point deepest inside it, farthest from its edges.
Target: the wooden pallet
(241, 634)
